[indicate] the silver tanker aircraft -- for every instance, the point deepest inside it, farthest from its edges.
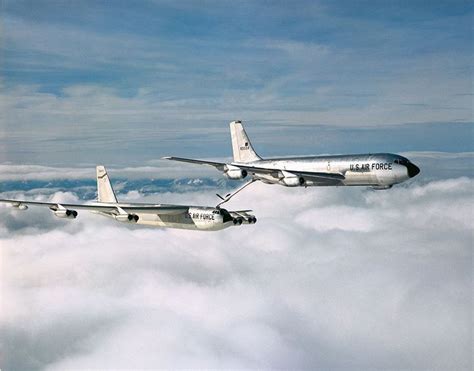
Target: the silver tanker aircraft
(377, 170)
(155, 215)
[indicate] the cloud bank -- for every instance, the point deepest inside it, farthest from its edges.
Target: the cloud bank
(328, 278)
(436, 165)
(154, 169)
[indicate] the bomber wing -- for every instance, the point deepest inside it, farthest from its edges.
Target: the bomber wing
(111, 208)
(243, 213)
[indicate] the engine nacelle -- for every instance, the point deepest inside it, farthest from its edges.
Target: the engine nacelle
(252, 220)
(238, 221)
(20, 206)
(127, 218)
(233, 172)
(381, 187)
(65, 213)
(291, 180)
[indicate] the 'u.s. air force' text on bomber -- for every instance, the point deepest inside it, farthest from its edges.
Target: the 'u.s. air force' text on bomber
(378, 170)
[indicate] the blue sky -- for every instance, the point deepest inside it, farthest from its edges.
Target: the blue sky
(86, 81)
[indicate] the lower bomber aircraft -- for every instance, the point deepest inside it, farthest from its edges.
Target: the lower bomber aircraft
(377, 170)
(155, 215)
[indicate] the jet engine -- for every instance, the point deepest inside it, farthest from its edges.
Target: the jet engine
(233, 172)
(381, 187)
(129, 218)
(246, 220)
(20, 206)
(291, 180)
(252, 220)
(238, 221)
(65, 213)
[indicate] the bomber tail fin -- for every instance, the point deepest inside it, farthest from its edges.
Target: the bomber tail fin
(105, 192)
(241, 146)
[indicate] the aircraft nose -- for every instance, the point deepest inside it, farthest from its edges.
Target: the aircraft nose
(413, 170)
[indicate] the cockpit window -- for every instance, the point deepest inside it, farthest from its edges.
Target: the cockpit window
(402, 161)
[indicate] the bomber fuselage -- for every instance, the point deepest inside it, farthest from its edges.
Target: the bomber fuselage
(196, 218)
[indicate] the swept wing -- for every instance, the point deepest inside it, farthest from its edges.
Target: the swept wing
(277, 173)
(113, 208)
(253, 170)
(218, 165)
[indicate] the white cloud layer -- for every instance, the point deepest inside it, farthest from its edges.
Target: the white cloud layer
(328, 278)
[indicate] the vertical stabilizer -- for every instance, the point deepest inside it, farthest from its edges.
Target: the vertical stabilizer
(105, 192)
(241, 146)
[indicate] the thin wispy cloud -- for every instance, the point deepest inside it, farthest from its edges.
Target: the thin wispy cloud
(194, 66)
(104, 126)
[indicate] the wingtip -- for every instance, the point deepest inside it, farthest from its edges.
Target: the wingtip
(166, 158)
